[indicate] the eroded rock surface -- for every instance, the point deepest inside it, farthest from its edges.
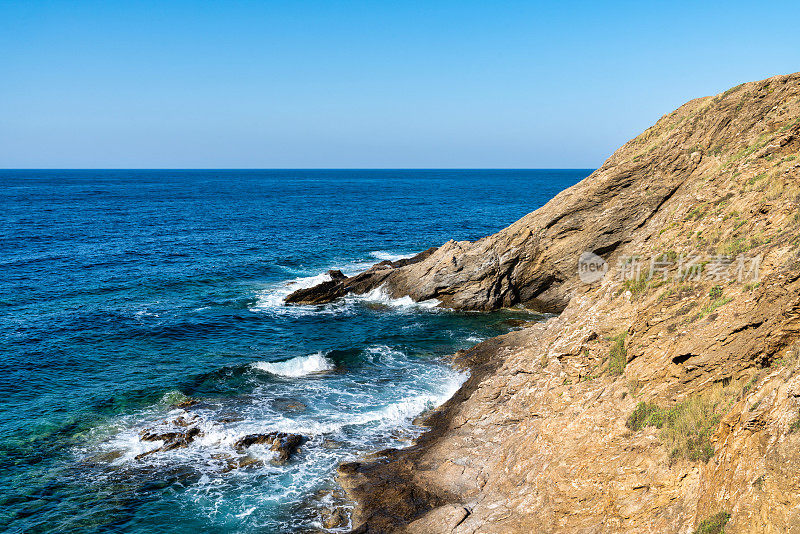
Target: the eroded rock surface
(541, 438)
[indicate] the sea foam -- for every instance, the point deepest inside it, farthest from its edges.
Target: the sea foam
(380, 296)
(272, 298)
(382, 255)
(406, 408)
(297, 367)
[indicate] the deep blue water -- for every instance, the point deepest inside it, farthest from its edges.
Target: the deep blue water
(124, 292)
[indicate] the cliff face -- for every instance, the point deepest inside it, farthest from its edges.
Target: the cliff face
(666, 395)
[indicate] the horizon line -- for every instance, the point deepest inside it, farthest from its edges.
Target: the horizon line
(296, 168)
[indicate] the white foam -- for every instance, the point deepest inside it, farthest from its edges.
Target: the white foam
(273, 298)
(388, 256)
(356, 267)
(406, 408)
(296, 367)
(386, 356)
(375, 416)
(380, 296)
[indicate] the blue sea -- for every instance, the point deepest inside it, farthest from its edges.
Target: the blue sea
(125, 294)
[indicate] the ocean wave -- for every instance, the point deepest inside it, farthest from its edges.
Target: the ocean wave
(385, 355)
(297, 367)
(380, 296)
(417, 402)
(341, 421)
(356, 267)
(382, 255)
(272, 299)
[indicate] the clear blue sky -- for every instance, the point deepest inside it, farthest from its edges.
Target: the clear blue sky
(292, 83)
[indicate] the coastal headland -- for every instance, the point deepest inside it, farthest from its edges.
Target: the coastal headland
(664, 396)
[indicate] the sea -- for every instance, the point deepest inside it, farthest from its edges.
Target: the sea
(131, 298)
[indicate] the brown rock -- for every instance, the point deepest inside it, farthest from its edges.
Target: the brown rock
(538, 438)
(333, 518)
(336, 275)
(288, 405)
(442, 519)
(186, 403)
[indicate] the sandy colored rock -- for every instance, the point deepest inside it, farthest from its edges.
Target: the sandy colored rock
(538, 438)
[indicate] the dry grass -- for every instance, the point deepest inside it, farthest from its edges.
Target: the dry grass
(686, 428)
(776, 189)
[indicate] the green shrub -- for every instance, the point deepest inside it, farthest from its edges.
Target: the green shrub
(645, 414)
(636, 286)
(712, 307)
(714, 524)
(733, 246)
(715, 292)
(732, 90)
(795, 426)
(697, 213)
(688, 428)
(618, 355)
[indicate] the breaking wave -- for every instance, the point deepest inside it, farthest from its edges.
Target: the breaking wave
(381, 297)
(272, 299)
(382, 255)
(296, 367)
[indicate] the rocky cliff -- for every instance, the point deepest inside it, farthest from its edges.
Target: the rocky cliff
(665, 396)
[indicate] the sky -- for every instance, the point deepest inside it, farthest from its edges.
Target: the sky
(373, 84)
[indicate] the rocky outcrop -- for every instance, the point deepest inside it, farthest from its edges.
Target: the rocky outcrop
(176, 433)
(666, 393)
(284, 445)
(182, 430)
(340, 285)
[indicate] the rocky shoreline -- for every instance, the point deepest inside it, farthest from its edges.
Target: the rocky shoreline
(383, 488)
(665, 397)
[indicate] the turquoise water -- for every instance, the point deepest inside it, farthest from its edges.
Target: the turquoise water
(125, 292)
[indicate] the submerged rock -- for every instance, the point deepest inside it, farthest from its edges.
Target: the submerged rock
(289, 405)
(329, 443)
(331, 508)
(514, 323)
(188, 403)
(333, 518)
(237, 462)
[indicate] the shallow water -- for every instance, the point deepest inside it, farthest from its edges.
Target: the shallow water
(126, 292)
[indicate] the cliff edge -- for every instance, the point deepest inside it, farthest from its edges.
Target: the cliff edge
(665, 397)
